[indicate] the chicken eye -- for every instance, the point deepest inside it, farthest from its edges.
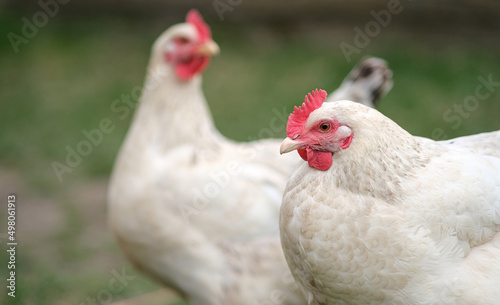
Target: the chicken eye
(324, 127)
(181, 40)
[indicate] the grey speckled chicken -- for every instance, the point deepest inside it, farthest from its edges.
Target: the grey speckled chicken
(378, 216)
(191, 208)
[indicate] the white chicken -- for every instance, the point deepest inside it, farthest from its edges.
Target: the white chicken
(378, 216)
(365, 84)
(191, 208)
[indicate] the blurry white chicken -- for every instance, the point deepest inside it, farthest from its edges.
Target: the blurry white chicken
(377, 216)
(191, 208)
(370, 80)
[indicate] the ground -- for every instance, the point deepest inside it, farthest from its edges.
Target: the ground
(61, 84)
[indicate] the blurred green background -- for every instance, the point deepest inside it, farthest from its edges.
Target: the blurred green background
(64, 79)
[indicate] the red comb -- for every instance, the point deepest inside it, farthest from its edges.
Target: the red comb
(299, 116)
(193, 17)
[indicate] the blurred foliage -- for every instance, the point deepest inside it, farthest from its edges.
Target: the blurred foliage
(65, 79)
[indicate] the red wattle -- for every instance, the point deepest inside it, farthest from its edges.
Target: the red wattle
(186, 70)
(321, 160)
(302, 153)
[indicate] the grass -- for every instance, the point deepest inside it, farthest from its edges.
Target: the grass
(65, 79)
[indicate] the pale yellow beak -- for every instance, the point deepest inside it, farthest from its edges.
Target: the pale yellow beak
(289, 145)
(209, 48)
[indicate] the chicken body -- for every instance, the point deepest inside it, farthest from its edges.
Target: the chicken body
(486, 143)
(182, 208)
(395, 219)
